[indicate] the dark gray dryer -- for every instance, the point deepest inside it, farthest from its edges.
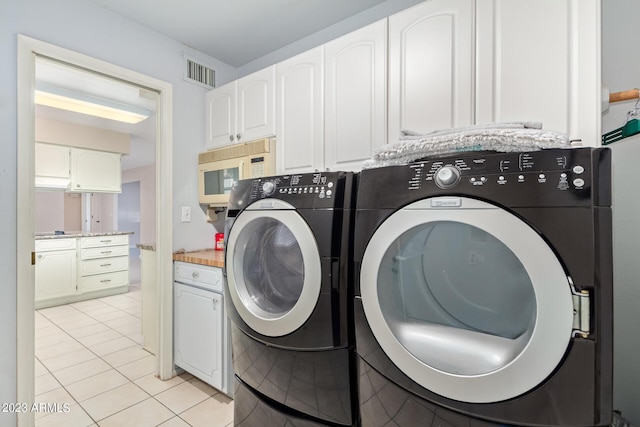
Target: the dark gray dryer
(484, 290)
(288, 266)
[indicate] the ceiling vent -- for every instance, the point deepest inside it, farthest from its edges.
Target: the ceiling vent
(199, 74)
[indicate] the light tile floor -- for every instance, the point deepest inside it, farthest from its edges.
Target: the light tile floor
(90, 362)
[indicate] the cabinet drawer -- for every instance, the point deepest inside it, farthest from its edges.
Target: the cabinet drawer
(104, 252)
(98, 241)
(55, 244)
(103, 265)
(199, 275)
(103, 281)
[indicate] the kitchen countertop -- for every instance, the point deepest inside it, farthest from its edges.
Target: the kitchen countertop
(72, 234)
(208, 257)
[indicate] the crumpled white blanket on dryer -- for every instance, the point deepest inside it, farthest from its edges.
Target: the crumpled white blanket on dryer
(504, 137)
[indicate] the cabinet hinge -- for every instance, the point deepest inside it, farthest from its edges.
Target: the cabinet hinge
(33, 258)
(581, 313)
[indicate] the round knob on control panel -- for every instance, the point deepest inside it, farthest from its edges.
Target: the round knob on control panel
(269, 188)
(447, 177)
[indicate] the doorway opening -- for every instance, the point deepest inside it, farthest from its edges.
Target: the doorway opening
(29, 50)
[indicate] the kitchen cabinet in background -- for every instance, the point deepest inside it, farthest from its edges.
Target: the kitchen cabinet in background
(77, 169)
(95, 171)
(104, 263)
(242, 110)
(56, 269)
(79, 268)
(52, 165)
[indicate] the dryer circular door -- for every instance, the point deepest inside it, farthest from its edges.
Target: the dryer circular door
(466, 299)
(273, 268)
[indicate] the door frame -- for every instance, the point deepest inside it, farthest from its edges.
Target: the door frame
(25, 228)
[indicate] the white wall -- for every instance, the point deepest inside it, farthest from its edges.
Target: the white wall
(91, 30)
(49, 211)
(621, 71)
(147, 178)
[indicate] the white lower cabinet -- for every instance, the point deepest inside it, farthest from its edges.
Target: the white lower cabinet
(104, 263)
(75, 269)
(201, 339)
(56, 269)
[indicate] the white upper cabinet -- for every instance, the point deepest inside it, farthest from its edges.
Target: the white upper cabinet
(53, 166)
(95, 171)
(242, 110)
(355, 96)
(540, 61)
(221, 115)
(256, 105)
(431, 67)
(300, 115)
(52, 160)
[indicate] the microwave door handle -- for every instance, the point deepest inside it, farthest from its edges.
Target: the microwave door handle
(241, 170)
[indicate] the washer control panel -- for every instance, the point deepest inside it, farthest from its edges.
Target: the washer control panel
(552, 177)
(501, 169)
(317, 190)
(316, 185)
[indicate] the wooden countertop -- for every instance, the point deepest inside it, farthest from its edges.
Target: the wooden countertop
(205, 257)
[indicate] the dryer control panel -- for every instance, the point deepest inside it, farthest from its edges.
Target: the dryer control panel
(554, 177)
(310, 190)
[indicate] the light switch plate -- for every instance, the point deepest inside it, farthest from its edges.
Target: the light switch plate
(186, 214)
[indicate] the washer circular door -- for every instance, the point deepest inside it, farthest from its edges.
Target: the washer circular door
(273, 268)
(466, 299)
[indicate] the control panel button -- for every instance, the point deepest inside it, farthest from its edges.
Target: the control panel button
(578, 169)
(578, 182)
(447, 177)
(269, 188)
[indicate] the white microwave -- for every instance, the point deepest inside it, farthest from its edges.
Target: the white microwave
(220, 168)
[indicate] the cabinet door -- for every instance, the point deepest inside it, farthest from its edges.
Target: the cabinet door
(539, 61)
(355, 96)
(55, 274)
(431, 67)
(198, 323)
(256, 105)
(52, 160)
(95, 171)
(300, 125)
(221, 116)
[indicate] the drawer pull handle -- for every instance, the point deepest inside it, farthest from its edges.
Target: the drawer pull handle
(106, 252)
(195, 274)
(105, 281)
(105, 265)
(105, 241)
